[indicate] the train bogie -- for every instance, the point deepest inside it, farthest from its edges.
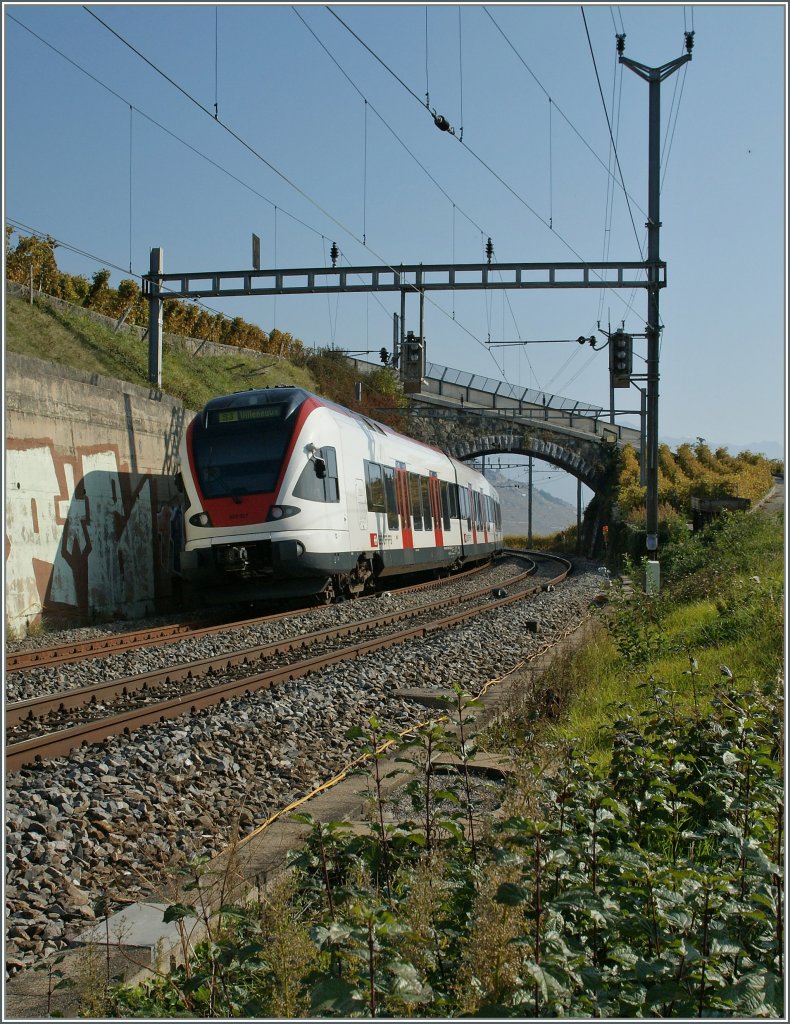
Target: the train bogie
(289, 493)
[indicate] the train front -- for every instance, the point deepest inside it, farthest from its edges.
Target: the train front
(244, 462)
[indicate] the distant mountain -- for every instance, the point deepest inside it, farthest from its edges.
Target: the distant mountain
(549, 514)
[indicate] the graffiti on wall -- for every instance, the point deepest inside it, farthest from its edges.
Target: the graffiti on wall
(83, 535)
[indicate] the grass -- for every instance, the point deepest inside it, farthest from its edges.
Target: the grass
(646, 644)
(61, 336)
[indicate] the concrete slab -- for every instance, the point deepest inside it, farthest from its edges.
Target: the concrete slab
(139, 924)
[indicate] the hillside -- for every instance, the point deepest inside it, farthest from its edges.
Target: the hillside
(76, 338)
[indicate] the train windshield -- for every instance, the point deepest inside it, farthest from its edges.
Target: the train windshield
(240, 451)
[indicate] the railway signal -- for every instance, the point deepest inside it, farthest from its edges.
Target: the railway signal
(621, 358)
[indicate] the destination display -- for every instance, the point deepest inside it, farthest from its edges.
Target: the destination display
(254, 412)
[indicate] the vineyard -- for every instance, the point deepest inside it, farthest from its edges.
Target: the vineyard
(693, 470)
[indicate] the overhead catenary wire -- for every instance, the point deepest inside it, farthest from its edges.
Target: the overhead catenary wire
(559, 109)
(247, 146)
(386, 124)
(164, 129)
(479, 158)
(259, 156)
(611, 136)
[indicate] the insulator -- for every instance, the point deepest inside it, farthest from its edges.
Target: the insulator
(334, 252)
(441, 123)
(489, 250)
(620, 37)
(689, 41)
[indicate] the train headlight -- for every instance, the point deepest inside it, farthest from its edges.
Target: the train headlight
(277, 512)
(200, 519)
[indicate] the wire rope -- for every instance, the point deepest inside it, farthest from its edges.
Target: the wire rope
(562, 114)
(389, 128)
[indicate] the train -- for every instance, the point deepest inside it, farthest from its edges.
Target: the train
(288, 493)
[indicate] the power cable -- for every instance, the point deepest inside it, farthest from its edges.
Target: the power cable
(480, 160)
(611, 136)
(162, 127)
(389, 128)
(246, 146)
(386, 66)
(271, 166)
(559, 110)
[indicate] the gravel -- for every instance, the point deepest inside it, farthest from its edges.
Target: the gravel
(112, 816)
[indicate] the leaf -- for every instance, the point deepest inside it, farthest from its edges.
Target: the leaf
(334, 996)
(664, 992)
(510, 894)
(451, 826)
(538, 975)
(233, 910)
(446, 794)
(177, 912)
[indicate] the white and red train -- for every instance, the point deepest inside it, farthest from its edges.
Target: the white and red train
(288, 493)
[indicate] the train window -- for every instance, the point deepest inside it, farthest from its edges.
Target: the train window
(426, 503)
(240, 455)
(374, 485)
(416, 500)
(389, 493)
(463, 503)
(445, 489)
(314, 488)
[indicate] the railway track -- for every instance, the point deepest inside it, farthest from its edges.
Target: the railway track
(229, 675)
(118, 643)
(116, 817)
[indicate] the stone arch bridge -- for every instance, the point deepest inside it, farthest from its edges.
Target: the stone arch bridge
(468, 415)
(470, 433)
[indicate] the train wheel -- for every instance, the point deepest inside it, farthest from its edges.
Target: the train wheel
(327, 594)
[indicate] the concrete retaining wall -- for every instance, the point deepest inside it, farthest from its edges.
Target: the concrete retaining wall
(92, 518)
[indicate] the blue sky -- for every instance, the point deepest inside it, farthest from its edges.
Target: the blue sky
(345, 150)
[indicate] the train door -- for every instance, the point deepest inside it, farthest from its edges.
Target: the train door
(436, 510)
(404, 506)
(472, 514)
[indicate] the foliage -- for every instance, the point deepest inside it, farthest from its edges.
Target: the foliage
(693, 470)
(36, 256)
(69, 337)
(651, 885)
(382, 396)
